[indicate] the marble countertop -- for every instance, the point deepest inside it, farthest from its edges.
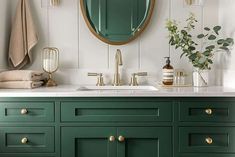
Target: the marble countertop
(71, 91)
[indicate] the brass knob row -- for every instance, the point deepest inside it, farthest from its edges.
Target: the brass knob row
(120, 139)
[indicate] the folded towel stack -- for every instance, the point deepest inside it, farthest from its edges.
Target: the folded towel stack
(21, 79)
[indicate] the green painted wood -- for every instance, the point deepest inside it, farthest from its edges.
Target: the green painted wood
(87, 142)
(135, 118)
(206, 155)
(145, 141)
(26, 155)
(37, 111)
(192, 139)
(194, 111)
(111, 111)
(40, 139)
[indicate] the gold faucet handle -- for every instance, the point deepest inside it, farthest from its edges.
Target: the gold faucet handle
(134, 81)
(141, 74)
(100, 79)
(94, 74)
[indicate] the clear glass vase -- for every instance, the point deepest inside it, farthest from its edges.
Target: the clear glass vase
(200, 78)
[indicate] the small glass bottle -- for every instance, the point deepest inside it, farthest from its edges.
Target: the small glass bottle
(176, 79)
(168, 73)
(181, 78)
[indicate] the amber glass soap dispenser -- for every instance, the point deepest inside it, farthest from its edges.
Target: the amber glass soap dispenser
(168, 73)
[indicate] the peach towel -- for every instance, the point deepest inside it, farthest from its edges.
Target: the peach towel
(20, 84)
(23, 36)
(21, 75)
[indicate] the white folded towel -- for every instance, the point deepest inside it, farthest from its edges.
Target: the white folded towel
(20, 84)
(21, 75)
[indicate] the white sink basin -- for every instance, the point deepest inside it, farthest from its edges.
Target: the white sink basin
(117, 88)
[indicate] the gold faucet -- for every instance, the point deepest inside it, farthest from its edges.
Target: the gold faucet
(118, 62)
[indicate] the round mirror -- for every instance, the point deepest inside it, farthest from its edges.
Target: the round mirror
(117, 22)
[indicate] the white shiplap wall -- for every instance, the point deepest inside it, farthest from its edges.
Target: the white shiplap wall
(226, 62)
(81, 52)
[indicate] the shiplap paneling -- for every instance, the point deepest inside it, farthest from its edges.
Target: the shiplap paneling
(81, 52)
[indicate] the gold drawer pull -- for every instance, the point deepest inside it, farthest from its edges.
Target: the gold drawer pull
(24, 140)
(24, 111)
(121, 139)
(209, 111)
(111, 138)
(209, 140)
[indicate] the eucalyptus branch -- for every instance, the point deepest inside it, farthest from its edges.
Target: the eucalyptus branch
(181, 38)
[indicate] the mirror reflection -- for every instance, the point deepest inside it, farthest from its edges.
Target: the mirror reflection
(116, 21)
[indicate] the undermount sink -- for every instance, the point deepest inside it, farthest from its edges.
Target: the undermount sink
(117, 88)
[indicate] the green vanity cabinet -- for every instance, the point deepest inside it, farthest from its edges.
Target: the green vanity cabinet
(26, 111)
(87, 142)
(116, 141)
(116, 111)
(117, 127)
(26, 139)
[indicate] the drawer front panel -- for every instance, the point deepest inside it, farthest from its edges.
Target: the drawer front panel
(26, 139)
(207, 111)
(207, 155)
(207, 139)
(116, 111)
(25, 155)
(26, 111)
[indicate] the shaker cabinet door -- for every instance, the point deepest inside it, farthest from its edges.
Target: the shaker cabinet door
(144, 142)
(88, 142)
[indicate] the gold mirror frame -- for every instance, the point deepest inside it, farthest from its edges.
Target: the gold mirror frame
(137, 34)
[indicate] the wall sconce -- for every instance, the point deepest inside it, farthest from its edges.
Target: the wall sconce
(55, 2)
(195, 2)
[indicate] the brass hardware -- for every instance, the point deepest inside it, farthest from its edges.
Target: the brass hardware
(24, 140)
(189, 2)
(118, 62)
(134, 81)
(194, 2)
(24, 111)
(209, 140)
(50, 63)
(209, 111)
(121, 139)
(55, 2)
(111, 138)
(100, 79)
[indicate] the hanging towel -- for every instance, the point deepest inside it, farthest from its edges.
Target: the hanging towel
(20, 84)
(23, 37)
(22, 75)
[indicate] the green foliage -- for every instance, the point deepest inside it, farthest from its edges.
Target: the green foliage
(181, 38)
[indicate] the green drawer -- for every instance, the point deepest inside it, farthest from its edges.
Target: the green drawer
(207, 155)
(26, 111)
(26, 139)
(207, 139)
(207, 111)
(109, 111)
(25, 155)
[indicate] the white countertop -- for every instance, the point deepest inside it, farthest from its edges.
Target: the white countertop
(71, 91)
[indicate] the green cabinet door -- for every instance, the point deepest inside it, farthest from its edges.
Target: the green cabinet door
(88, 142)
(144, 142)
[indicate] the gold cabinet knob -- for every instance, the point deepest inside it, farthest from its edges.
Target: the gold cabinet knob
(111, 138)
(121, 139)
(208, 111)
(24, 111)
(24, 140)
(209, 140)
